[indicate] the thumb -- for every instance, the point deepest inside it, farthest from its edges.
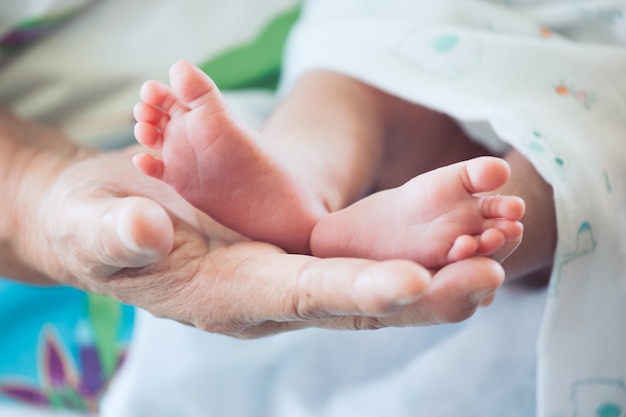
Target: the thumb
(133, 232)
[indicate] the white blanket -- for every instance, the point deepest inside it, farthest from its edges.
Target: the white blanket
(483, 367)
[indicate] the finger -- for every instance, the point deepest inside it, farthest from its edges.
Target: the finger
(132, 232)
(292, 288)
(342, 286)
(455, 294)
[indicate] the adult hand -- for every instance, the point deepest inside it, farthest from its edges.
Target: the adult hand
(91, 220)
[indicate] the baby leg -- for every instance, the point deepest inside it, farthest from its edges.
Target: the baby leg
(434, 219)
(219, 165)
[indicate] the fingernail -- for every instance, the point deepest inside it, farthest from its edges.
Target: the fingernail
(487, 301)
(127, 234)
(480, 296)
(129, 242)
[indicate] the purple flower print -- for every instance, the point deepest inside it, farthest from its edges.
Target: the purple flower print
(61, 388)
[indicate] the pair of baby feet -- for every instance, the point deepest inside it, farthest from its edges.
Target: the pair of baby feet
(230, 173)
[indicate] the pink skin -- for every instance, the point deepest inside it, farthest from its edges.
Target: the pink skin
(254, 187)
(433, 219)
(132, 238)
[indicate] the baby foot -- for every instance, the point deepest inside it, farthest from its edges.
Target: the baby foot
(218, 164)
(434, 219)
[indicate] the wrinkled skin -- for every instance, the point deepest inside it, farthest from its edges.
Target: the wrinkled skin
(92, 221)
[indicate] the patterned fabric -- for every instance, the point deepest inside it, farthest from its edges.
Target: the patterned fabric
(66, 345)
(59, 346)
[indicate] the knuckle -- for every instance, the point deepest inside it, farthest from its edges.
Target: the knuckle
(366, 323)
(304, 304)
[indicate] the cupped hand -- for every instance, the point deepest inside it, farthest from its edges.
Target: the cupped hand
(175, 263)
(102, 226)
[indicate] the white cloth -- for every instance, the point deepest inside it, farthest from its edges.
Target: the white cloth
(480, 368)
(548, 78)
